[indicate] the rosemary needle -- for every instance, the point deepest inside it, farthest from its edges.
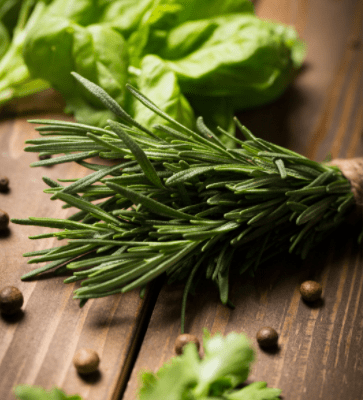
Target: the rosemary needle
(179, 203)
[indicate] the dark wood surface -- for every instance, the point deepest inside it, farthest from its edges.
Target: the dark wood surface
(320, 347)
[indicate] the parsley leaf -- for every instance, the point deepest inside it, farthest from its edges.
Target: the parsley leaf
(226, 364)
(26, 392)
(254, 391)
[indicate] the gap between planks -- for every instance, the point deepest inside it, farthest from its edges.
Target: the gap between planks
(142, 324)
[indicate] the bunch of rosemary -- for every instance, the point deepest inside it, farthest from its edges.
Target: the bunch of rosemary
(178, 201)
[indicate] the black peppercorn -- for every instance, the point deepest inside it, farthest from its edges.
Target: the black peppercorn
(4, 220)
(355, 43)
(86, 361)
(45, 157)
(4, 184)
(184, 339)
(267, 337)
(11, 300)
(311, 291)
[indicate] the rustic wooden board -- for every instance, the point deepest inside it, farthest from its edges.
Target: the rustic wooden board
(37, 346)
(320, 347)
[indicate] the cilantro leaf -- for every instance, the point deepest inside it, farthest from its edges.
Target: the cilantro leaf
(27, 392)
(174, 380)
(255, 391)
(226, 364)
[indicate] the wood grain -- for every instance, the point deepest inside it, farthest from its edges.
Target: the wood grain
(37, 346)
(320, 346)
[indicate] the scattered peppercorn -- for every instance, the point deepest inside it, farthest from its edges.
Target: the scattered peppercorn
(11, 300)
(355, 43)
(44, 157)
(4, 184)
(184, 339)
(86, 361)
(310, 291)
(267, 337)
(4, 220)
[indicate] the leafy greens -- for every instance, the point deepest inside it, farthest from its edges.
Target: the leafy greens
(27, 392)
(225, 366)
(214, 56)
(15, 80)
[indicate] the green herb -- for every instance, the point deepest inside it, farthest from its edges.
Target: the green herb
(182, 203)
(208, 58)
(26, 392)
(225, 366)
(15, 80)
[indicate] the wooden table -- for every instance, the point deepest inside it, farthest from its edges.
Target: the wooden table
(320, 348)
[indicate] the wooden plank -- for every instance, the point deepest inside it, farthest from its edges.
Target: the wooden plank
(37, 346)
(319, 353)
(319, 346)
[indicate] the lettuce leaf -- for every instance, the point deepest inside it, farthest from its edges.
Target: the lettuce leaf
(157, 82)
(15, 80)
(202, 9)
(4, 39)
(234, 55)
(191, 57)
(125, 15)
(57, 46)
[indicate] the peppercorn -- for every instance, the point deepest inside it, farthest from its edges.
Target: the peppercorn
(355, 42)
(4, 220)
(311, 291)
(45, 157)
(4, 184)
(184, 339)
(11, 300)
(267, 337)
(86, 361)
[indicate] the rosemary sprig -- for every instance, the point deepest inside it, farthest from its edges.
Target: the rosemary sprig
(182, 203)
